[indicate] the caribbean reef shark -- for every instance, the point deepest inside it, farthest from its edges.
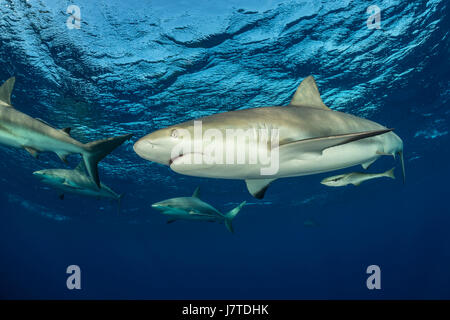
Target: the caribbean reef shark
(34, 135)
(192, 208)
(75, 181)
(306, 137)
(355, 178)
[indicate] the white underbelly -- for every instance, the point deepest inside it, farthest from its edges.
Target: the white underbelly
(331, 159)
(19, 138)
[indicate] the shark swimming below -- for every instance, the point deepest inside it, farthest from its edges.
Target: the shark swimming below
(310, 138)
(35, 135)
(192, 208)
(75, 181)
(355, 178)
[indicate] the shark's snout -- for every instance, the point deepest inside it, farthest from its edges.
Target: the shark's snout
(143, 148)
(39, 174)
(158, 206)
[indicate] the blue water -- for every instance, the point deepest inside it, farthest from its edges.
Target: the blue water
(137, 66)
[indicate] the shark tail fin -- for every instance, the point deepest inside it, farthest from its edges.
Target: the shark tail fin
(230, 216)
(97, 150)
(390, 173)
(400, 153)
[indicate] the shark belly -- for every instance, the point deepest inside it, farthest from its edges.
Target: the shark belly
(334, 158)
(7, 138)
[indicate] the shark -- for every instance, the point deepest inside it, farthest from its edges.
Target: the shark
(75, 181)
(34, 135)
(192, 208)
(355, 178)
(306, 137)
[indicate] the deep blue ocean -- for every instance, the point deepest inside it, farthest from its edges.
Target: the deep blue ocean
(139, 65)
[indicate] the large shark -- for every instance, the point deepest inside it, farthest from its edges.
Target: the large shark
(75, 181)
(35, 135)
(310, 138)
(192, 208)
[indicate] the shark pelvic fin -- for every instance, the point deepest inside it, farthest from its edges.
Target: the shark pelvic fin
(5, 92)
(33, 152)
(307, 95)
(258, 187)
(196, 193)
(309, 148)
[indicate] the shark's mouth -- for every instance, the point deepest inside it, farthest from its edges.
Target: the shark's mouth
(172, 160)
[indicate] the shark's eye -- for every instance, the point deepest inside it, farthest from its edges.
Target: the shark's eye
(174, 133)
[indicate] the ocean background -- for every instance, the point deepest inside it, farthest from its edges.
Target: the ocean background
(136, 66)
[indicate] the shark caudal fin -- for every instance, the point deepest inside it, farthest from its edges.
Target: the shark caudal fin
(230, 216)
(390, 173)
(97, 150)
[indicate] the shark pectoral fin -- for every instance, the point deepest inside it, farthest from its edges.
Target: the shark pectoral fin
(5, 92)
(258, 187)
(32, 151)
(307, 95)
(171, 221)
(367, 164)
(63, 156)
(356, 184)
(308, 148)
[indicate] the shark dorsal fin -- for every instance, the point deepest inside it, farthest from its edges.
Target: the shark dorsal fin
(66, 130)
(307, 95)
(81, 167)
(196, 193)
(5, 92)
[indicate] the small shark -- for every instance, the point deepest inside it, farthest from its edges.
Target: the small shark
(35, 135)
(309, 137)
(75, 181)
(355, 178)
(192, 208)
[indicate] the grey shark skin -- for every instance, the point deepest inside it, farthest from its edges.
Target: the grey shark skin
(355, 178)
(192, 208)
(19, 130)
(75, 181)
(312, 139)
